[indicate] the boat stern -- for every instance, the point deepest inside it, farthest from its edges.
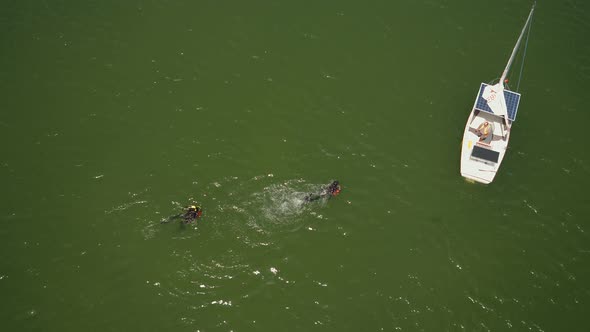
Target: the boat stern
(478, 163)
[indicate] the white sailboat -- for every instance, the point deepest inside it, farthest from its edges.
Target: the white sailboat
(487, 131)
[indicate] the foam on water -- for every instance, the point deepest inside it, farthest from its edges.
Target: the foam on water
(263, 204)
(282, 206)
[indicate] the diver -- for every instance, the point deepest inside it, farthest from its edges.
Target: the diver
(333, 189)
(190, 214)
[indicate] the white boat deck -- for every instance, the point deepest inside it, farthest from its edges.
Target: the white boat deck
(480, 160)
(478, 169)
(498, 135)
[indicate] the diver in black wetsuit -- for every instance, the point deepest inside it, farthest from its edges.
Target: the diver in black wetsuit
(333, 189)
(190, 214)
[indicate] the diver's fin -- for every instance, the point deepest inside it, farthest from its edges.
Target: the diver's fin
(169, 219)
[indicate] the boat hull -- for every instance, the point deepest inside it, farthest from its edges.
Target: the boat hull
(480, 161)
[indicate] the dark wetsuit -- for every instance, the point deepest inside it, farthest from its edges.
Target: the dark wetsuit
(331, 190)
(191, 214)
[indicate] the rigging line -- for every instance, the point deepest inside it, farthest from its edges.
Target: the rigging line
(526, 44)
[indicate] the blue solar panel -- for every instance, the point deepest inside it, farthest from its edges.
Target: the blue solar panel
(512, 100)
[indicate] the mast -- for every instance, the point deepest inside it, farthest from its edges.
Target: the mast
(516, 46)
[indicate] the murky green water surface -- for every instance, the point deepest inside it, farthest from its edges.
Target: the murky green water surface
(116, 113)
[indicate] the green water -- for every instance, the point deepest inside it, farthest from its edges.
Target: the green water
(116, 113)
